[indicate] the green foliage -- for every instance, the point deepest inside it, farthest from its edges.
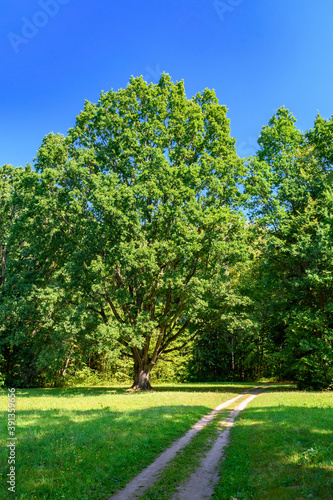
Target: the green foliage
(124, 224)
(127, 241)
(289, 182)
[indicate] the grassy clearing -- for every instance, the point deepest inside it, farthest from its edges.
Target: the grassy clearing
(86, 443)
(281, 448)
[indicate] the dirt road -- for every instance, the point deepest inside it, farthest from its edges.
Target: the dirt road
(201, 484)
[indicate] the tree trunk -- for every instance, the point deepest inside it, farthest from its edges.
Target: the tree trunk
(3, 264)
(141, 377)
(67, 363)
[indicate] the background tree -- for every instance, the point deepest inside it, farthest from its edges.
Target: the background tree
(11, 187)
(44, 328)
(290, 181)
(231, 344)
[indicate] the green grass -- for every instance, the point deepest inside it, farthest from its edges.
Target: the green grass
(281, 448)
(85, 443)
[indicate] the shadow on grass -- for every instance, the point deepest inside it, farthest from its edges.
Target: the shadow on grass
(223, 387)
(280, 387)
(89, 454)
(232, 387)
(71, 391)
(288, 454)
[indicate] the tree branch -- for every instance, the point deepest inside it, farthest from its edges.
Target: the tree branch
(182, 346)
(174, 337)
(109, 301)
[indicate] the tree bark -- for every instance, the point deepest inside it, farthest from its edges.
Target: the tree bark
(3, 263)
(141, 377)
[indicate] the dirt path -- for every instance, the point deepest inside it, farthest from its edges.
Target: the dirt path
(135, 488)
(201, 484)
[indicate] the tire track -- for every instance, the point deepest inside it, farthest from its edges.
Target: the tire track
(201, 484)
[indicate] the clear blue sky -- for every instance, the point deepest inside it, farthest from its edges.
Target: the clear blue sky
(257, 55)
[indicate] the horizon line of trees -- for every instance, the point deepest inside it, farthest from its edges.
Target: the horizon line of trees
(141, 239)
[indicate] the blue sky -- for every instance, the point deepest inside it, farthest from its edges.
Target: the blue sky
(256, 54)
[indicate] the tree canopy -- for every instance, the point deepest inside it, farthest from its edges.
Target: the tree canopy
(132, 215)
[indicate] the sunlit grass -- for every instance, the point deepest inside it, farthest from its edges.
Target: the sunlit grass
(281, 448)
(85, 443)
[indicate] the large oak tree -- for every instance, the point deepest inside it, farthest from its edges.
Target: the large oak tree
(133, 219)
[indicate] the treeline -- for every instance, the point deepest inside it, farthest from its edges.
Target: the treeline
(141, 242)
